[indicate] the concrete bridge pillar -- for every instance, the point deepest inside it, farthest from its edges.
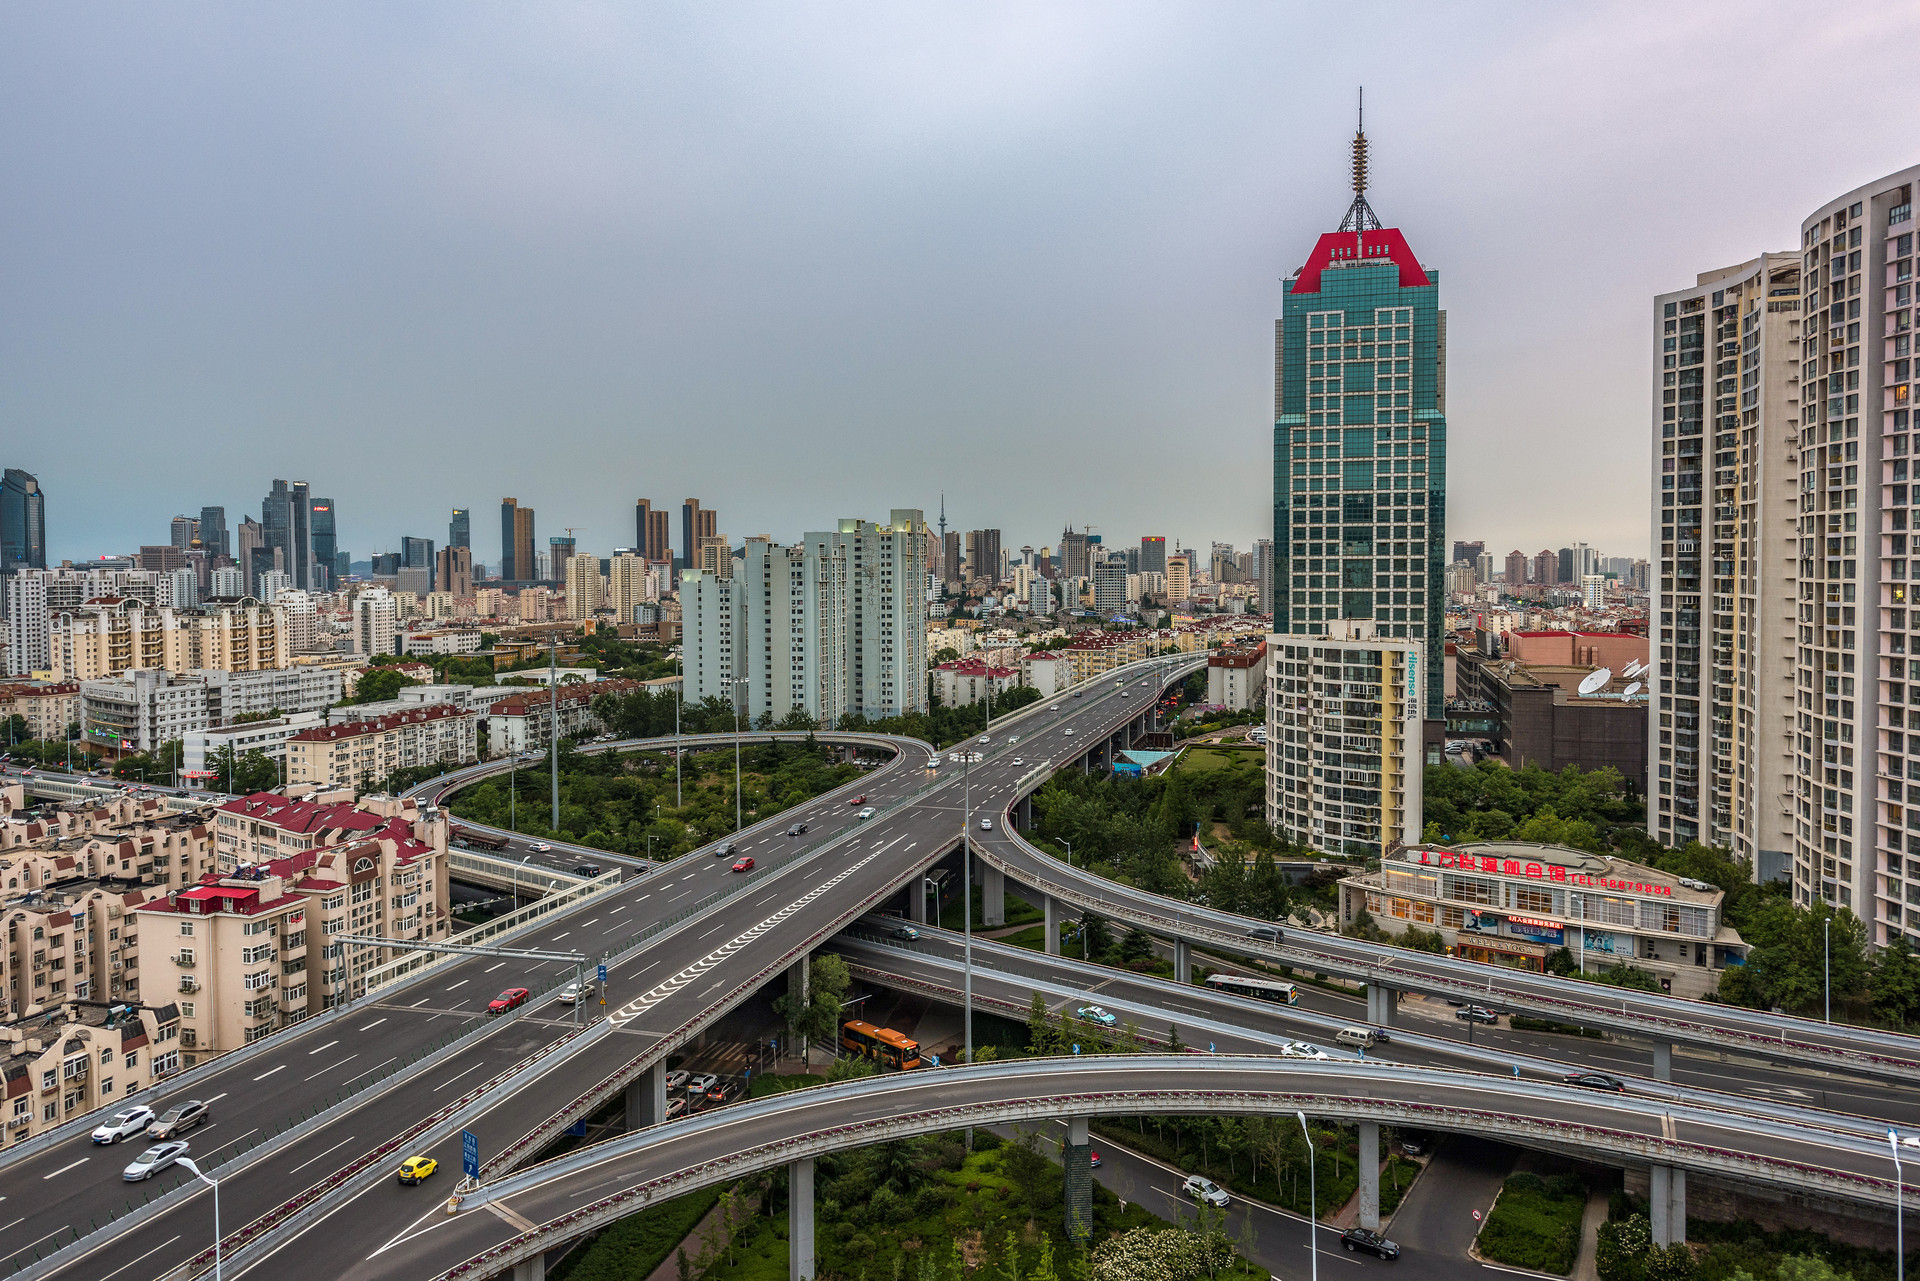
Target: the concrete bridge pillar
(917, 899)
(1667, 1204)
(647, 1097)
(1383, 1005)
(1078, 1158)
(1053, 925)
(1182, 961)
(1370, 1175)
(800, 991)
(534, 1269)
(993, 896)
(1023, 813)
(800, 1220)
(1663, 1060)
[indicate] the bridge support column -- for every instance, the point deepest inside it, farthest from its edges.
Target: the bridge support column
(993, 896)
(1667, 1204)
(1663, 1060)
(1023, 814)
(647, 1097)
(1370, 1175)
(534, 1269)
(1078, 1159)
(800, 1220)
(1182, 961)
(917, 899)
(1383, 1005)
(1053, 925)
(799, 992)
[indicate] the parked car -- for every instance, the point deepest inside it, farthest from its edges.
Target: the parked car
(417, 1169)
(127, 1123)
(1358, 1239)
(1477, 1014)
(743, 864)
(574, 993)
(1206, 1191)
(866, 813)
(178, 1119)
(159, 1157)
(1595, 1081)
(512, 998)
(723, 850)
(796, 829)
(677, 1078)
(1094, 1014)
(1415, 1144)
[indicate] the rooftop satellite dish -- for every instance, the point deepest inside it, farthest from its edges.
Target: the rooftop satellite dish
(1631, 670)
(1631, 690)
(1597, 680)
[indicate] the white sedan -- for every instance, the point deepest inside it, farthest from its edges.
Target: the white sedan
(1301, 1050)
(124, 1124)
(159, 1157)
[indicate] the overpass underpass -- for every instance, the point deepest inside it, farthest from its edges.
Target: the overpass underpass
(509, 1225)
(1388, 971)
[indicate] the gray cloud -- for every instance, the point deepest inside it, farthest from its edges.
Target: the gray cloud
(812, 261)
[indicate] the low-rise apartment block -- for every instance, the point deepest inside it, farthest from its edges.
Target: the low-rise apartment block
(972, 680)
(360, 753)
(525, 720)
(1237, 678)
(47, 709)
(83, 1055)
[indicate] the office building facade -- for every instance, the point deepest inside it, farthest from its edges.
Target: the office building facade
(460, 528)
(516, 543)
(651, 539)
(1153, 555)
(286, 515)
(326, 546)
(696, 523)
(23, 522)
(1360, 439)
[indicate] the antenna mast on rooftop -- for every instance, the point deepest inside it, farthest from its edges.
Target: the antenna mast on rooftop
(1360, 215)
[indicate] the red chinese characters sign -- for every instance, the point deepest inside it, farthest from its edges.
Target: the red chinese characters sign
(1550, 872)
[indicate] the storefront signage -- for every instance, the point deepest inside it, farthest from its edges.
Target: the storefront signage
(1553, 872)
(1528, 928)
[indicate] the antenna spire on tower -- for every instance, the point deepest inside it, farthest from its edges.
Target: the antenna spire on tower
(1360, 215)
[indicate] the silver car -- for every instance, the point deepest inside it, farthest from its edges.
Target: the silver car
(159, 1157)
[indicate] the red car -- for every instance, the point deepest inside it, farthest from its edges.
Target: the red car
(743, 865)
(859, 800)
(507, 1000)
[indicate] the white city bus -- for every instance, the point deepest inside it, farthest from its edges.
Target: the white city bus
(1261, 989)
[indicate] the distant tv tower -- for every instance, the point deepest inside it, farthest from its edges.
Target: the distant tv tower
(943, 518)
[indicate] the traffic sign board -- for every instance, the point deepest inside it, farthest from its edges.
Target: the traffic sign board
(470, 1154)
(603, 972)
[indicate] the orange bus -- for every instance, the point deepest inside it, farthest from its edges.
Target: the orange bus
(881, 1044)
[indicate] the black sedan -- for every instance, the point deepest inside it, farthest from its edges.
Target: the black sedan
(1595, 1081)
(1372, 1242)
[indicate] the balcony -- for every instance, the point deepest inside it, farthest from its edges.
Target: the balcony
(185, 960)
(189, 984)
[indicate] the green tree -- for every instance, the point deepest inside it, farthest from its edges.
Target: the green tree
(379, 685)
(1039, 1026)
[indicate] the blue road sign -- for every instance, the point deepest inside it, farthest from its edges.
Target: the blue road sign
(470, 1154)
(603, 973)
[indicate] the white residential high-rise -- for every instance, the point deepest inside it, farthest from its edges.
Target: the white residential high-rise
(586, 589)
(832, 627)
(631, 582)
(1726, 409)
(229, 581)
(27, 631)
(376, 622)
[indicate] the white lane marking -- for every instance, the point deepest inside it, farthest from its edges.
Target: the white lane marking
(682, 894)
(457, 1075)
(377, 1022)
(715, 929)
(461, 983)
(422, 1001)
(16, 1223)
(643, 898)
(63, 1169)
(640, 1005)
(585, 924)
(330, 1151)
(216, 1098)
(328, 1046)
(621, 908)
(491, 968)
(331, 1066)
(270, 1071)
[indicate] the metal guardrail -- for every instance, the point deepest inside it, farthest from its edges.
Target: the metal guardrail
(1023, 1101)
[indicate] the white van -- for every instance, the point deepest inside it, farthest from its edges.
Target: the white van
(1356, 1038)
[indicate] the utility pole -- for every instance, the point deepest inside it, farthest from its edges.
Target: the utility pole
(553, 709)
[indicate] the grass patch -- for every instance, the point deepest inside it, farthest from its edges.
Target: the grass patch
(766, 1083)
(1206, 758)
(639, 1243)
(1019, 912)
(1535, 1222)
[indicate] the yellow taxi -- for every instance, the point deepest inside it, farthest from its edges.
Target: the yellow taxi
(416, 1169)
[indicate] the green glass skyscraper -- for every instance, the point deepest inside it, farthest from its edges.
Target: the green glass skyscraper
(1360, 440)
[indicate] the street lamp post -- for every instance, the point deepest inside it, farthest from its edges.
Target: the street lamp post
(516, 879)
(1069, 845)
(680, 680)
(966, 908)
(215, 1185)
(738, 680)
(1313, 1204)
(1899, 1209)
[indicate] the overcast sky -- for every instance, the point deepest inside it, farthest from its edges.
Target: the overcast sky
(812, 261)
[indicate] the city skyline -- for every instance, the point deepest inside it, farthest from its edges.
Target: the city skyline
(1116, 285)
